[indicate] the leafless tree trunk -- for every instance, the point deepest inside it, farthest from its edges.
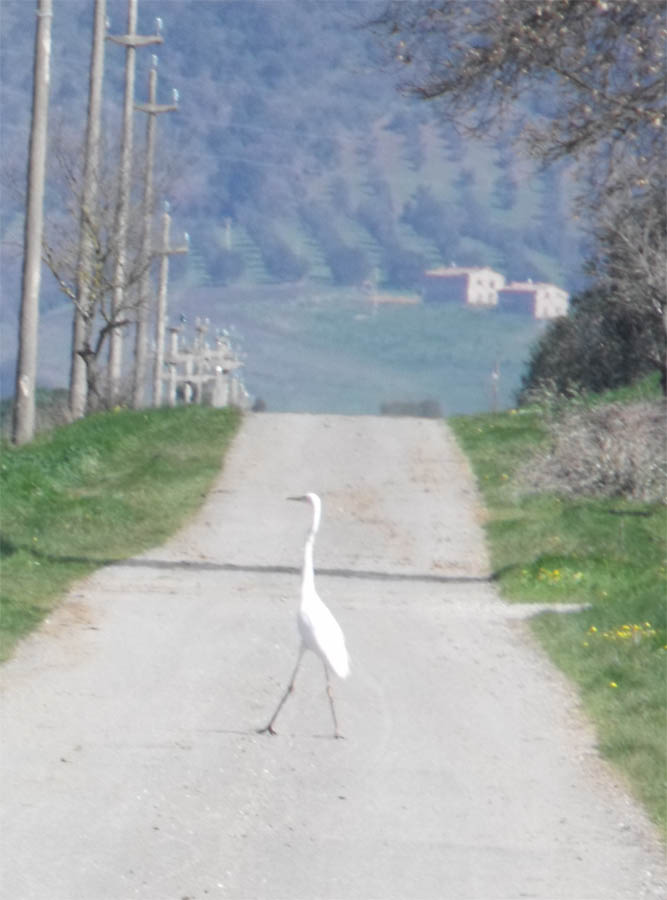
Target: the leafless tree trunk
(84, 291)
(95, 320)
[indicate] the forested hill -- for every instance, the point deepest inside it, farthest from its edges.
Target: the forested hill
(293, 157)
(293, 154)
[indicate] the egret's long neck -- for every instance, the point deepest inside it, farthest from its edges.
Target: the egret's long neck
(308, 575)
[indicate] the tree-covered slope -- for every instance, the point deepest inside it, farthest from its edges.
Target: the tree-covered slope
(292, 157)
(285, 114)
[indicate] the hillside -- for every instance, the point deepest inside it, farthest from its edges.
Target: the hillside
(292, 157)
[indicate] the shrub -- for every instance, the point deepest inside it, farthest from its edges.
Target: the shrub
(377, 218)
(422, 409)
(431, 220)
(348, 265)
(279, 259)
(404, 268)
(51, 410)
(610, 450)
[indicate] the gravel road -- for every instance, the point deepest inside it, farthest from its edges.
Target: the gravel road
(131, 766)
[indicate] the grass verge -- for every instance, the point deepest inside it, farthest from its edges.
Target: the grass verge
(94, 492)
(610, 554)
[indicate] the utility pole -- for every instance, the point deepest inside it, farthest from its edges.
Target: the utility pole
(84, 303)
(153, 109)
(130, 41)
(23, 425)
(495, 381)
(165, 253)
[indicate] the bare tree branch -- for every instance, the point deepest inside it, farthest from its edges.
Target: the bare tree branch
(600, 68)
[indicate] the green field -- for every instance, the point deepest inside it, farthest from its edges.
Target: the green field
(334, 352)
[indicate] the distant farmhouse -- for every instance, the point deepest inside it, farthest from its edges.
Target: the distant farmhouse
(471, 286)
(482, 287)
(542, 301)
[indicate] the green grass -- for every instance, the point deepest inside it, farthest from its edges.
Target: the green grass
(609, 554)
(95, 492)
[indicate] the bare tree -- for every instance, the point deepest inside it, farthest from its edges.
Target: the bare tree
(64, 213)
(571, 79)
(630, 263)
(78, 380)
(595, 67)
(98, 317)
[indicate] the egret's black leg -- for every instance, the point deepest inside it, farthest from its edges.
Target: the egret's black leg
(290, 688)
(337, 733)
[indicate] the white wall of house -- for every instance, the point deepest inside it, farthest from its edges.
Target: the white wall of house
(483, 287)
(543, 301)
(550, 301)
(474, 286)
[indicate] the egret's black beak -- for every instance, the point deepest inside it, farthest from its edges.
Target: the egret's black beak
(298, 499)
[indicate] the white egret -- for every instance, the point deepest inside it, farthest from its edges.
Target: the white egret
(319, 631)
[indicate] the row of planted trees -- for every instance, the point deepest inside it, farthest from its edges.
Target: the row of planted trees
(98, 240)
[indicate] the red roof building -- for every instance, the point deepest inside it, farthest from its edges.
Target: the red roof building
(542, 301)
(472, 286)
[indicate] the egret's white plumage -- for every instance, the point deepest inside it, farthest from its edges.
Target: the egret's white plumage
(319, 631)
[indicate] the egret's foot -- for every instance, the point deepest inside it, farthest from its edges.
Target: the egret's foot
(266, 728)
(338, 736)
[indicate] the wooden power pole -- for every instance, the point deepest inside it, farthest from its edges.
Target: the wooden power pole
(23, 425)
(83, 308)
(130, 41)
(152, 109)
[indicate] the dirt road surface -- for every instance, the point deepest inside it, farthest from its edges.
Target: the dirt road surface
(131, 765)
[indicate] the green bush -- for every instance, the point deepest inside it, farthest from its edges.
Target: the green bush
(601, 345)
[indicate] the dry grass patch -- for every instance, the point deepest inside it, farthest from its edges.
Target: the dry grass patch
(611, 450)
